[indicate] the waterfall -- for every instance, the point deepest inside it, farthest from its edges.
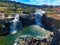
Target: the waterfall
(38, 16)
(15, 25)
(38, 19)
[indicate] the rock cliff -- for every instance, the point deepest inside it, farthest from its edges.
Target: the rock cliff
(53, 22)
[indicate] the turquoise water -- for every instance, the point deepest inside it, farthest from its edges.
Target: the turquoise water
(33, 30)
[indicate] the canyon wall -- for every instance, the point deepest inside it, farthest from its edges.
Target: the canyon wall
(54, 24)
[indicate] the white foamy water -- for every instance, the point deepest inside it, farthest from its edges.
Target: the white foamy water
(38, 16)
(13, 24)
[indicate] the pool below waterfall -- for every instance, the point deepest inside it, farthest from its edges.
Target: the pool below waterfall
(33, 31)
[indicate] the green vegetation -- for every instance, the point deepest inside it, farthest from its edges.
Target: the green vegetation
(13, 7)
(48, 9)
(19, 10)
(28, 10)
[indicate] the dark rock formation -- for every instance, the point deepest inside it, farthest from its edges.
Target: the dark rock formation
(27, 20)
(47, 22)
(53, 22)
(4, 28)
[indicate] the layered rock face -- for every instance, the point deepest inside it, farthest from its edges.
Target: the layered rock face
(4, 28)
(53, 22)
(47, 22)
(27, 20)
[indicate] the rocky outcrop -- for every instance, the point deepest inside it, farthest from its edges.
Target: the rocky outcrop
(47, 22)
(4, 28)
(27, 20)
(53, 22)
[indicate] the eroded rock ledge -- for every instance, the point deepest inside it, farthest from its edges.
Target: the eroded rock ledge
(53, 22)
